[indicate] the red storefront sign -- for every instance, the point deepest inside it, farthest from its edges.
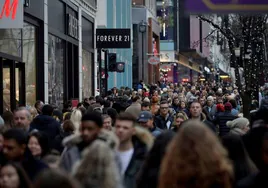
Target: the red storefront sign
(11, 14)
(8, 8)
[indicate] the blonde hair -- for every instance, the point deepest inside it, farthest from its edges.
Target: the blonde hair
(98, 167)
(195, 158)
(76, 117)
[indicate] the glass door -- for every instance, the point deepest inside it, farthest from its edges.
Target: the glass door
(13, 83)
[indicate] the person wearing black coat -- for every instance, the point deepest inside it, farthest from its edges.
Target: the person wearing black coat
(46, 123)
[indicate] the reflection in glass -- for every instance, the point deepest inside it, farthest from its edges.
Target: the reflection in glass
(29, 58)
(6, 90)
(10, 41)
(55, 70)
(87, 74)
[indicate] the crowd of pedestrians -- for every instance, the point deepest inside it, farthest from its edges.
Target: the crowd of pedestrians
(165, 135)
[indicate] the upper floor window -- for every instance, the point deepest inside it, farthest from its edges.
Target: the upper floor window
(165, 16)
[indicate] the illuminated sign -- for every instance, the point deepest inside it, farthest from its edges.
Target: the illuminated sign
(226, 5)
(11, 15)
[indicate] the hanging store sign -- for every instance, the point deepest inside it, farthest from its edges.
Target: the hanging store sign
(11, 14)
(113, 38)
(72, 26)
(230, 6)
(167, 56)
(154, 60)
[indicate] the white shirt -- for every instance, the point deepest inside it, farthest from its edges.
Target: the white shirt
(125, 158)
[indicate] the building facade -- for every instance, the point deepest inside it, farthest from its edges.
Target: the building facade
(145, 41)
(116, 14)
(46, 59)
(181, 43)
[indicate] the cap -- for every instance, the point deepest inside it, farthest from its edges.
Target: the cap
(145, 116)
(228, 106)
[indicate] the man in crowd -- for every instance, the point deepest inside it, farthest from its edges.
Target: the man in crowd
(22, 119)
(165, 119)
(91, 125)
(131, 149)
(146, 120)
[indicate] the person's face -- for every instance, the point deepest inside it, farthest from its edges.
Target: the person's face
(1, 142)
(148, 124)
(89, 131)
(124, 130)
(12, 150)
(107, 124)
(195, 109)
(183, 105)
(164, 109)
(178, 122)
(34, 146)
(145, 108)
(9, 177)
(39, 106)
(176, 101)
(202, 101)
(21, 119)
(209, 102)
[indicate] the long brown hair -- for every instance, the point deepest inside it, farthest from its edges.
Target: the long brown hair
(195, 159)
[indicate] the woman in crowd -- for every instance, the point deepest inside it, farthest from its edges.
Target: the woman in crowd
(179, 118)
(195, 158)
(76, 119)
(12, 175)
(38, 144)
(239, 126)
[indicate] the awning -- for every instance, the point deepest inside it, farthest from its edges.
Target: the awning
(184, 60)
(196, 56)
(222, 73)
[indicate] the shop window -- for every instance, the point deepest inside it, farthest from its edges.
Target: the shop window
(87, 73)
(55, 70)
(29, 58)
(10, 41)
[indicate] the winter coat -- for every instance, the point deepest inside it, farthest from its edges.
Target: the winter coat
(72, 153)
(58, 141)
(258, 180)
(46, 124)
(142, 142)
(221, 120)
(161, 122)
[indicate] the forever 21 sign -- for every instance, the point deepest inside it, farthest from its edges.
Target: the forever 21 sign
(113, 38)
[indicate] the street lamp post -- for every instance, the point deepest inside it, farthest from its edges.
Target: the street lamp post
(142, 29)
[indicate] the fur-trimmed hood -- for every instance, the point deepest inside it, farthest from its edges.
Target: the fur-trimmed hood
(107, 136)
(142, 134)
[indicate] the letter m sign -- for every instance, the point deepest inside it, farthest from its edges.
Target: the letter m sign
(11, 14)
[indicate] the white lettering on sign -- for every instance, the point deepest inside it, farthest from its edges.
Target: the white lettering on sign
(113, 38)
(167, 56)
(73, 26)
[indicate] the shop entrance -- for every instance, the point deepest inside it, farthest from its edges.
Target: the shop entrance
(13, 84)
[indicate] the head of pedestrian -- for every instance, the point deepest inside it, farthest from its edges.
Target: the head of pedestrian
(47, 110)
(195, 109)
(145, 106)
(125, 127)
(164, 108)
(146, 119)
(22, 118)
(15, 144)
(91, 125)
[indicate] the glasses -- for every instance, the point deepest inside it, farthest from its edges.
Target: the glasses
(164, 108)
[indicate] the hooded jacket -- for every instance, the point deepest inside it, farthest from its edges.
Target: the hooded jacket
(142, 142)
(46, 124)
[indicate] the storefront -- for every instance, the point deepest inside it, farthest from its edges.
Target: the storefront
(21, 55)
(50, 59)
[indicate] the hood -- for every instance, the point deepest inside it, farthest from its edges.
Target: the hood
(43, 120)
(144, 136)
(107, 136)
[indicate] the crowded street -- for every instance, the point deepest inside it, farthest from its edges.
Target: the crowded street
(133, 94)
